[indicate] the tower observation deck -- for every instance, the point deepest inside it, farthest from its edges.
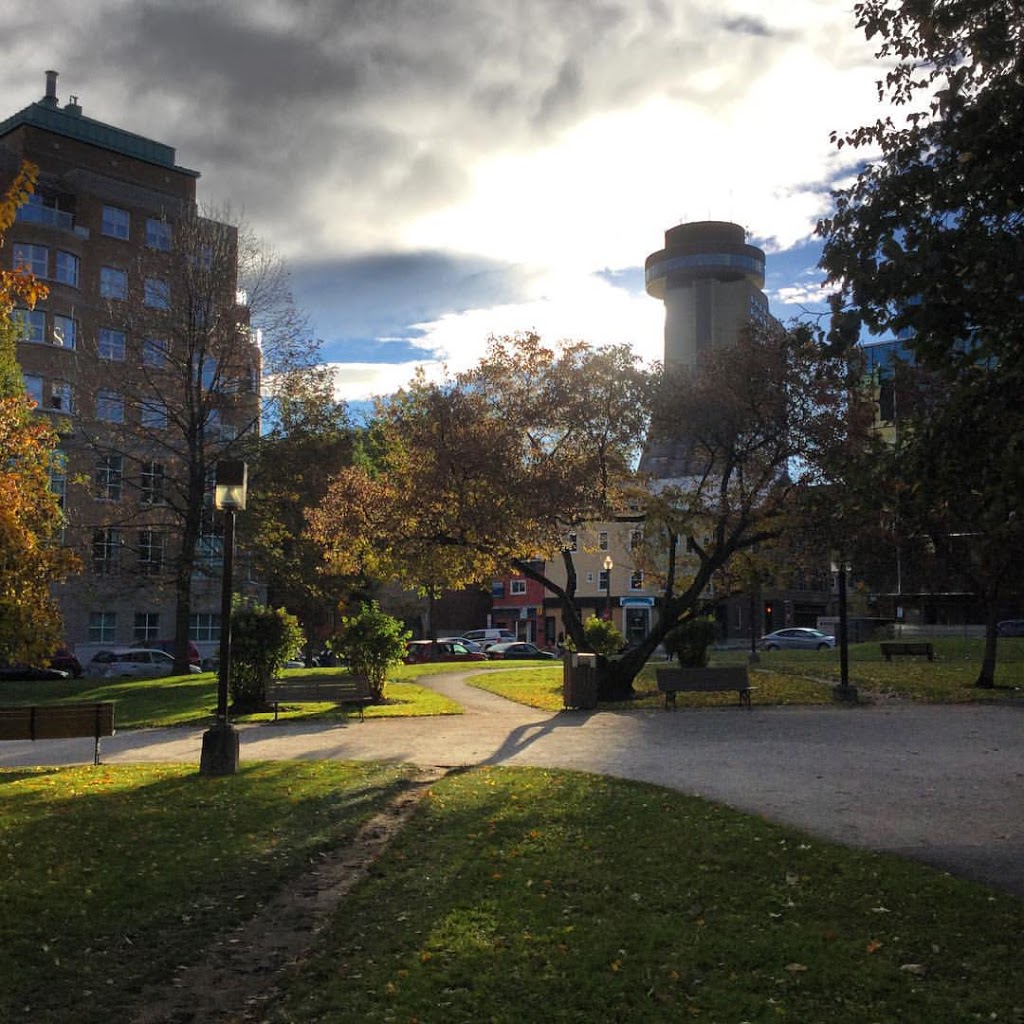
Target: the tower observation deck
(710, 281)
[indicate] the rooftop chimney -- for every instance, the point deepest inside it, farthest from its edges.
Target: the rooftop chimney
(50, 99)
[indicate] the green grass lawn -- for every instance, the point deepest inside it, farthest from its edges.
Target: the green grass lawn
(781, 677)
(513, 895)
(192, 700)
(803, 677)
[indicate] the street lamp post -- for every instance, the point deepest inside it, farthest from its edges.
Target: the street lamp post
(220, 743)
(608, 566)
(844, 691)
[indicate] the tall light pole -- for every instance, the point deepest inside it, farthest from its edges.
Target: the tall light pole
(608, 566)
(844, 691)
(220, 743)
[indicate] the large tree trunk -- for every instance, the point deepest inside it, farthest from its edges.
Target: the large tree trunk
(987, 674)
(615, 675)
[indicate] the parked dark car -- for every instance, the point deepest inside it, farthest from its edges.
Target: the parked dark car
(1010, 627)
(424, 651)
(520, 649)
(65, 661)
(797, 638)
(30, 674)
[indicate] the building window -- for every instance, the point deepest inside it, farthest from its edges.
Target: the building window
(66, 270)
(636, 539)
(203, 627)
(34, 388)
(497, 588)
(147, 627)
(109, 407)
(113, 283)
(33, 258)
(111, 343)
(570, 542)
(109, 477)
(115, 223)
(603, 579)
(106, 550)
(153, 414)
(154, 353)
(156, 293)
(65, 331)
(102, 627)
(60, 397)
(602, 540)
(151, 485)
(30, 324)
(203, 371)
(210, 546)
(59, 477)
(158, 234)
(517, 587)
(636, 580)
(151, 551)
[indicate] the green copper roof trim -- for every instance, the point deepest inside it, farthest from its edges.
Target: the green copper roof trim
(96, 133)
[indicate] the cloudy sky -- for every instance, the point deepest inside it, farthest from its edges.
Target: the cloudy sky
(436, 171)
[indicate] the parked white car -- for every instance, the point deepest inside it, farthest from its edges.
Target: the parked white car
(133, 663)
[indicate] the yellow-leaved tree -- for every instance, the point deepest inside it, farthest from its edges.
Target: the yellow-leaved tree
(31, 556)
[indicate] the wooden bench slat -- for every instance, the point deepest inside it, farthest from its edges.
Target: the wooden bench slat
(58, 722)
(704, 680)
(907, 648)
(345, 690)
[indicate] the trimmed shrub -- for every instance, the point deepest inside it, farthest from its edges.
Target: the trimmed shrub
(690, 642)
(262, 640)
(371, 641)
(602, 636)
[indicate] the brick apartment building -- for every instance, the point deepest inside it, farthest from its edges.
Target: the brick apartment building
(142, 358)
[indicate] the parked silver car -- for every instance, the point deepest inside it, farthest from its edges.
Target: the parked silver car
(133, 663)
(797, 638)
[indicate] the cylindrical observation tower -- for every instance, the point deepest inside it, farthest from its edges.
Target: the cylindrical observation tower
(710, 281)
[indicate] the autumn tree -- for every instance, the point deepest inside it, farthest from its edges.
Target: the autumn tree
(927, 244)
(490, 469)
(494, 468)
(756, 427)
(31, 556)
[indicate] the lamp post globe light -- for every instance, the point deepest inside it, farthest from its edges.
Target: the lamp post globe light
(220, 742)
(608, 566)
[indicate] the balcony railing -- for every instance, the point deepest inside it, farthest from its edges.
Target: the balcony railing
(38, 213)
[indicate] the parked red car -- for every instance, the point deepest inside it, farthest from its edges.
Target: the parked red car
(425, 651)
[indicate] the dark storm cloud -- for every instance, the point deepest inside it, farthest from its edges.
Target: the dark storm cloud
(379, 108)
(379, 296)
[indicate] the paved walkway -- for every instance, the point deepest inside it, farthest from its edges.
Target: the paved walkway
(941, 784)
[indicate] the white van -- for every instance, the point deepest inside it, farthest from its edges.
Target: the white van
(489, 636)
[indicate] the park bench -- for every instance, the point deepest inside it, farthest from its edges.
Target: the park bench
(350, 689)
(907, 649)
(58, 722)
(704, 680)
